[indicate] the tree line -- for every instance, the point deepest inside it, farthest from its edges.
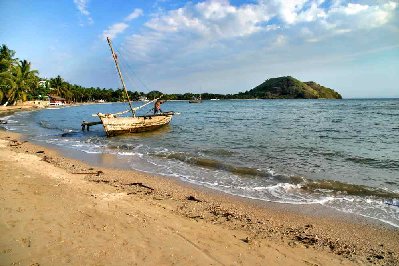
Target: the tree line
(19, 82)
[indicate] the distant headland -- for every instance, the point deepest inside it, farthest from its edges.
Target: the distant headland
(273, 88)
(290, 88)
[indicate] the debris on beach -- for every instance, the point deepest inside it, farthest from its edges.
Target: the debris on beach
(17, 143)
(47, 159)
(97, 173)
(246, 240)
(192, 198)
(140, 185)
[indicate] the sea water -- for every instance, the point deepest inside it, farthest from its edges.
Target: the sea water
(343, 154)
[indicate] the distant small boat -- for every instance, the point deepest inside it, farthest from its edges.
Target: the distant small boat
(195, 100)
(215, 99)
(143, 99)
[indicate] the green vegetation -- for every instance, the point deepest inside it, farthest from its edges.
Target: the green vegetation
(324, 92)
(17, 79)
(18, 82)
(289, 88)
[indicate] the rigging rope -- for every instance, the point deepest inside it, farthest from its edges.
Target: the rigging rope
(134, 109)
(133, 83)
(130, 69)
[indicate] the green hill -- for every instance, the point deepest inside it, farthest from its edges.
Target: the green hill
(324, 92)
(290, 88)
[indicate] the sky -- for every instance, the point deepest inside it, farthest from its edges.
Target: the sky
(215, 46)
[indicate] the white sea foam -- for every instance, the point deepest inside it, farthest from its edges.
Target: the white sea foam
(130, 154)
(91, 152)
(78, 145)
(285, 186)
(259, 188)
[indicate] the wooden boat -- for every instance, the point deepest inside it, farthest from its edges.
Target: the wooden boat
(121, 125)
(116, 125)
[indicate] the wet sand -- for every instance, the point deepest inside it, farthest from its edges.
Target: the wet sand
(57, 210)
(8, 110)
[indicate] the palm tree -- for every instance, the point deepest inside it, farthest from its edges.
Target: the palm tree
(1, 95)
(7, 61)
(60, 86)
(19, 81)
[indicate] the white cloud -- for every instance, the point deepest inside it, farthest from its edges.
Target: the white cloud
(118, 28)
(212, 35)
(81, 5)
(216, 19)
(135, 14)
(199, 26)
(176, 20)
(213, 23)
(350, 17)
(288, 10)
(313, 13)
(280, 40)
(215, 10)
(114, 30)
(352, 9)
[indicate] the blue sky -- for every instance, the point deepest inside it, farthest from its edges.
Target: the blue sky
(217, 46)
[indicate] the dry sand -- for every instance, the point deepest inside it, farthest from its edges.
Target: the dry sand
(56, 210)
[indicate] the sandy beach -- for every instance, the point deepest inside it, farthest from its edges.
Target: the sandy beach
(6, 110)
(56, 210)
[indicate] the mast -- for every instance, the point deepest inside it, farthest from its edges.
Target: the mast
(120, 75)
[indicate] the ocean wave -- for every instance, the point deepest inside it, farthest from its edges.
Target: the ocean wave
(327, 187)
(130, 154)
(372, 208)
(383, 164)
(123, 147)
(328, 130)
(71, 133)
(213, 164)
(219, 152)
(65, 132)
(91, 152)
(338, 187)
(48, 125)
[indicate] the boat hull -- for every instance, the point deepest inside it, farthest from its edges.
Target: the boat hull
(124, 125)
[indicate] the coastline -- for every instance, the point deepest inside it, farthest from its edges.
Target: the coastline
(8, 110)
(174, 222)
(37, 105)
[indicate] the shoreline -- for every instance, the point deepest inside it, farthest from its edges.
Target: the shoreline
(105, 160)
(325, 237)
(110, 161)
(9, 110)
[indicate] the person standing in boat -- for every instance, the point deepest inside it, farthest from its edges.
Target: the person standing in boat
(157, 106)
